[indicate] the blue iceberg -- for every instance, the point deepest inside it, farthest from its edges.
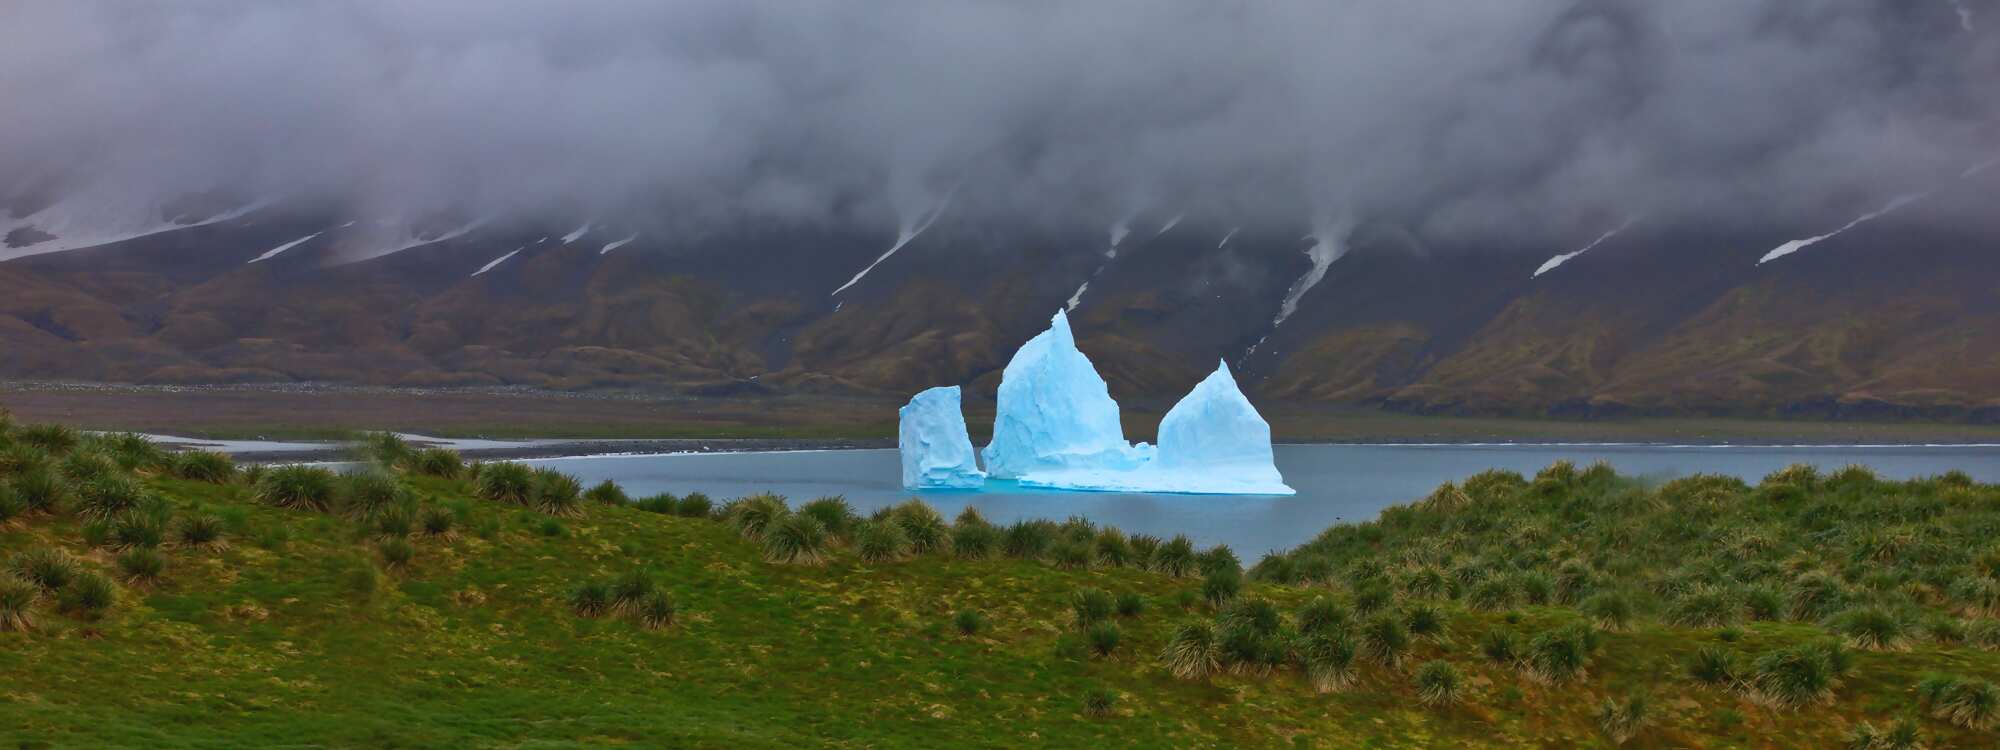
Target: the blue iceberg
(1212, 442)
(936, 452)
(1055, 414)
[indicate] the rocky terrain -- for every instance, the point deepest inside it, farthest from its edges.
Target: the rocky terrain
(1889, 318)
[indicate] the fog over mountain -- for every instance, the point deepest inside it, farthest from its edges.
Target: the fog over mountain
(1506, 121)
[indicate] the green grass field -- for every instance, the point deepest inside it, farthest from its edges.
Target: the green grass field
(430, 605)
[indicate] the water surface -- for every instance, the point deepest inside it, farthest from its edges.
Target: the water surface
(1336, 483)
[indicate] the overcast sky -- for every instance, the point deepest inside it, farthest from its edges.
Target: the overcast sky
(1520, 120)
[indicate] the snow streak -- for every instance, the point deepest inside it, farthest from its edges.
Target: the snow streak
(578, 234)
(909, 231)
(1329, 243)
(497, 261)
(273, 252)
(610, 246)
(1797, 245)
(1550, 264)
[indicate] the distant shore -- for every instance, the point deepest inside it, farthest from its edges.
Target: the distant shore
(628, 422)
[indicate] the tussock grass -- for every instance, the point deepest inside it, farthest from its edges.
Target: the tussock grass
(1440, 684)
(17, 601)
(297, 488)
(796, 539)
(203, 466)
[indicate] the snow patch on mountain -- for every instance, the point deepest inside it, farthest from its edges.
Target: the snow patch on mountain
(1077, 298)
(1171, 223)
(273, 252)
(1975, 169)
(912, 226)
(1797, 245)
(101, 217)
(497, 261)
(1550, 264)
(610, 246)
(1227, 237)
(576, 235)
(413, 238)
(1329, 236)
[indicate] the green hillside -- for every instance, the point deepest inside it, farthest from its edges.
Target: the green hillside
(172, 600)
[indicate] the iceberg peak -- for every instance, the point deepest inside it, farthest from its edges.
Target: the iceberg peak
(1054, 412)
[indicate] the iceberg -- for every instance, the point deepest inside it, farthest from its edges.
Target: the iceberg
(936, 451)
(1054, 413)
(1213, 442)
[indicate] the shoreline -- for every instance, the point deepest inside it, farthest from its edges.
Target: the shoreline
(556, 448)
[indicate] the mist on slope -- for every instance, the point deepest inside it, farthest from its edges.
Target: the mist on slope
(1511, 120)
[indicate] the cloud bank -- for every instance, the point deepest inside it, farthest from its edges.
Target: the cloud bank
(1502, 121)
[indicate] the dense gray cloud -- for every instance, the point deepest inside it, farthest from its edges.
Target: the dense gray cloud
(1518, 120)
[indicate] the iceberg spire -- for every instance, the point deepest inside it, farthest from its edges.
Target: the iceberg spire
(1215, 433)
(1054, 412)
(931, 438)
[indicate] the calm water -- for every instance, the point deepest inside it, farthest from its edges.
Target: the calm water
(1336, 483)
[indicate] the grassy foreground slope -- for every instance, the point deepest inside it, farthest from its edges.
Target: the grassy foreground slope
(426, 604)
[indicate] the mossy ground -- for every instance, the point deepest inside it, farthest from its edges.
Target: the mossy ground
(297, 634)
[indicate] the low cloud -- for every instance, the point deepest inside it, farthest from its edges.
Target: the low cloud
(1508, 120)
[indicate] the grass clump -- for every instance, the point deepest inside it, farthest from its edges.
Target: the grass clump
(1902, 735)
(695, 505)
(796, 539)
(1560, 655)
(1102, 638)
(881, 542)
(1194, 652)
(921, 524)
(656, 611)
(555, 493)
(1872, 629)
(1131, 604)
(1028, 540)
(1622, 720)
(754, 515)
(1384, 640)
(590, 599)
(17, 601)
(296, 488)
(975, 541)
(49, 568)
(437, 461)
(1220, 587)
(1090, 606)
(1711, 665)
(87, 596)
(1795, 677)
(1327, 659)
(833, 513)
(1440, 684)
(1968, 703)
(1176, 558)
(968, 622)
(1099, 703)
(367, 494)
(506, 482)
(397, 552)
(142, 566)
(607, 492)
(203, 466)
(201, 531)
